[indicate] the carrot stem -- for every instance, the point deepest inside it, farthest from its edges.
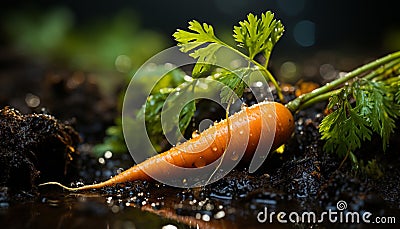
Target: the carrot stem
(264, 69)
(317, 99)
(296, 104)
(388, 69)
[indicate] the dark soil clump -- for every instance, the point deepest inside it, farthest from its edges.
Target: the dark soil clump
(33, 148)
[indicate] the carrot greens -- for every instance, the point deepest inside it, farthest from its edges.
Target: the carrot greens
(362, 102)
(374, 111)
(255, 35)
(258, 35)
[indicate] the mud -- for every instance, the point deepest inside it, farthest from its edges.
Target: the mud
(33, 148)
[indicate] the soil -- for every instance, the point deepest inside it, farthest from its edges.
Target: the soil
(302, 178)
(33, 148)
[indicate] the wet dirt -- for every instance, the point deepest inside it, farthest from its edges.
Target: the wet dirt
(33, 148)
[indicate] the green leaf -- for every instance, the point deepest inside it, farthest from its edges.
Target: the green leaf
(234, 84)
(396, 88)
(375, 110)
(379, 107)
(327, 128)
(258, 35)
(398, 96)
(190, 40)
(345, 128)
(151, 112)
(371, 169)
(186, 115)
(193, 42)
(181, 97)
(168, 87)
(206, 60)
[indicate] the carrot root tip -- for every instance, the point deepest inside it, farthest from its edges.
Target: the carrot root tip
(60, 185)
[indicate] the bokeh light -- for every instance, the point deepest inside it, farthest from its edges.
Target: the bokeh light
(304, 33)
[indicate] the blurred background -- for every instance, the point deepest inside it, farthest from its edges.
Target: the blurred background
(74, 57)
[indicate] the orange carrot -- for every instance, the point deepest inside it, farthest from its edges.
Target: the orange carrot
(211, 143)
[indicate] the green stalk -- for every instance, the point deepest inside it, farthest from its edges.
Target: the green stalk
(267, 54)
(388, 69)
(263, 69)
(295, 104)
(393, 80)
(272, 79)
(319, 98)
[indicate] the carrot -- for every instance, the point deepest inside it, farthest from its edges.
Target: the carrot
(211, 143)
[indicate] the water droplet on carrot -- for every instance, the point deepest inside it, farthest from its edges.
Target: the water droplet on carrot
(195, 134)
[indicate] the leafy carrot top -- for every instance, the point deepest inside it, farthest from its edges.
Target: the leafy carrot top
(254, 35)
